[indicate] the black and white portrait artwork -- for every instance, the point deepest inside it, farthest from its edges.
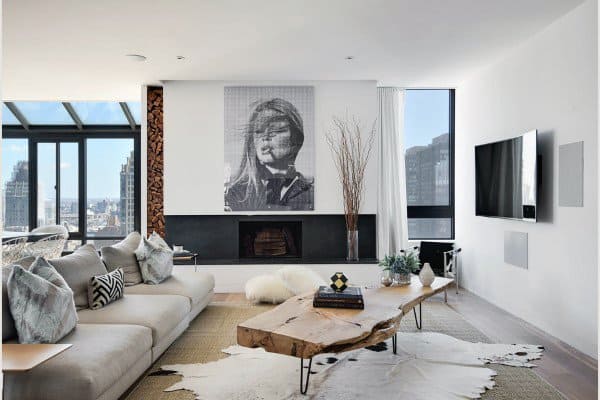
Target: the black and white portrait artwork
(269, 148)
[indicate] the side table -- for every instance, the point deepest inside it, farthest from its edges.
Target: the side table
(185, 260)
(18, 358)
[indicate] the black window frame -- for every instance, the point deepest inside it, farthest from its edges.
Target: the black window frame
(447, 211)
(69, 133)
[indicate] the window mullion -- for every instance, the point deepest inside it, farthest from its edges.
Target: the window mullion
(82, 190)
(430, 212)
(57, 182)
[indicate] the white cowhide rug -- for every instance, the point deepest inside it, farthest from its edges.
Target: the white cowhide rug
(428, 366)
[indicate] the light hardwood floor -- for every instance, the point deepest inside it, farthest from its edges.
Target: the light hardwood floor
(571, 372)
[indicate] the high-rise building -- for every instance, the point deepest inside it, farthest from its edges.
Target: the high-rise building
(16, 192)
(428, 172)
(428, 184)
(127, 203)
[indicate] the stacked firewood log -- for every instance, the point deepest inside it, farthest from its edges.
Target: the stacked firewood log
(270, 242)
(155, 207)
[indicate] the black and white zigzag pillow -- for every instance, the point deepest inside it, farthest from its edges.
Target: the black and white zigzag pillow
(104, 289)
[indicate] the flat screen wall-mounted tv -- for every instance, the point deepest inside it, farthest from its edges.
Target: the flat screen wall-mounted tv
(506, 178)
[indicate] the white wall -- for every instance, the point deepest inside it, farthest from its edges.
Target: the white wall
(549, 83)
(194, 142)
(233, 278)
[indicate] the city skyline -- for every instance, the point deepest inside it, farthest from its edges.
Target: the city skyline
(102, 155)
(104, 215)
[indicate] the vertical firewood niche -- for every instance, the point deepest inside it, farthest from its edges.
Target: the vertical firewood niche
(155, 162)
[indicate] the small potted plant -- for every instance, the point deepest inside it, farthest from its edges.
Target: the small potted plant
(401, 266)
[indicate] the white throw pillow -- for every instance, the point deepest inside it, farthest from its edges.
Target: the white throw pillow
(267, 289)
(300, 280)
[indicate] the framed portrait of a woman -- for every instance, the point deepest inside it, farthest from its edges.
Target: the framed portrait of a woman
(269, 148)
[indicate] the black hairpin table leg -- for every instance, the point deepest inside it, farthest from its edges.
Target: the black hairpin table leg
(418, 321)
(303, 385)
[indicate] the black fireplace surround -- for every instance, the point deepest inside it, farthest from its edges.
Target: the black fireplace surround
(267, 239)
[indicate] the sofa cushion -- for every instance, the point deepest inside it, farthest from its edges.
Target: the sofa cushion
(193, 285)
(8, 323)
(155, 258)
(77, 268)
(122, 255)
(104, 289)
(100, 355)
(41, 303)
(159, 313)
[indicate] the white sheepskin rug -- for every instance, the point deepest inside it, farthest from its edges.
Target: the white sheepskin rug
(428, 366)
(282, 284)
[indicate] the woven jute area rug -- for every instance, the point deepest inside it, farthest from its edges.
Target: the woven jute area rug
(215, 329)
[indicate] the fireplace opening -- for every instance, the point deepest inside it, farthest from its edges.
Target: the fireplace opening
(267, 239)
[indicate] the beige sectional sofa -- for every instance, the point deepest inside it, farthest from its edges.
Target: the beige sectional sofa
(114, 345)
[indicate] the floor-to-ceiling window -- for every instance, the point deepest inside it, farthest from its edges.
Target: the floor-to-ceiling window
(73, 164)
(15, 185)
(429, 161)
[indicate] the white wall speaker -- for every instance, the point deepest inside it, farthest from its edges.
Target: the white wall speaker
(570, 175)
(516, 249)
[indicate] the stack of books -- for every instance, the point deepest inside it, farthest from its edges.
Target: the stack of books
(349, 298)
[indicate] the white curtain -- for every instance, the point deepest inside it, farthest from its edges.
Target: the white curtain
(392, 225)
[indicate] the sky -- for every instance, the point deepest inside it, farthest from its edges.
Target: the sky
(104, 157)
(426, 115)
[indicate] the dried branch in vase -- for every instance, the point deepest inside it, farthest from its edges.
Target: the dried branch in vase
(351, 151)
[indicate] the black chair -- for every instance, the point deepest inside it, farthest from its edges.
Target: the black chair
(433, 253)
(443, 258)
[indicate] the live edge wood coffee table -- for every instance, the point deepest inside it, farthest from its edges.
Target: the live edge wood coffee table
(295, 328)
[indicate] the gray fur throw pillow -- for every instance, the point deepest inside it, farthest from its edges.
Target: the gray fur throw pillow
(155, 258)
(41, 303)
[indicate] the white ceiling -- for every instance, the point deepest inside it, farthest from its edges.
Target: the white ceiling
(75, 49)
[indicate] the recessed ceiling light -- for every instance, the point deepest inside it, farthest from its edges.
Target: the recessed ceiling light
(180, 57)
(136, 57)
(349, 58)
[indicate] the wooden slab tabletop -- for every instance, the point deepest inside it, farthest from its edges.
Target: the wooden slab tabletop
(23, 357)
(298, 329)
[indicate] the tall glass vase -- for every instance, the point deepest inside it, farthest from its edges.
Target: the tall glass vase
(352, 242)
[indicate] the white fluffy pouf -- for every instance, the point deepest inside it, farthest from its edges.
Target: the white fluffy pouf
(282, 284)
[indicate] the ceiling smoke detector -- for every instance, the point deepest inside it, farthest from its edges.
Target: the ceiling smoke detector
(136, 57)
